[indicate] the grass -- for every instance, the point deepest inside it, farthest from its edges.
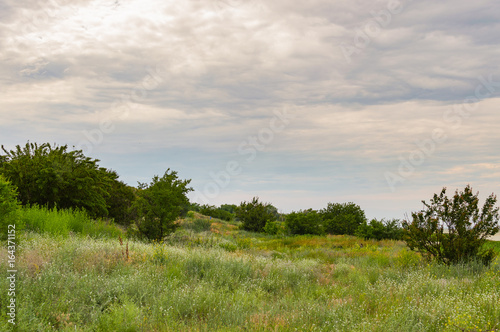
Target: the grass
(63, 222)
(219, 278)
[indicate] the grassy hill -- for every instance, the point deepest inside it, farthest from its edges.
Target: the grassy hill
(212, 276)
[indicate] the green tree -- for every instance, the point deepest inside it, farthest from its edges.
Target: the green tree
(305, 222)
(9, 208)
(159, 204)
(453, 230)
(54, 176)
(255, 214)
(342, 218)
(119, 202)
(379, 230)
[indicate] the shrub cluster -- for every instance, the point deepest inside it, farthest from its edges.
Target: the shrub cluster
(216, 212)
(379, 230)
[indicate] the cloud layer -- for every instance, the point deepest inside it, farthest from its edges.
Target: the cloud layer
(192, 85)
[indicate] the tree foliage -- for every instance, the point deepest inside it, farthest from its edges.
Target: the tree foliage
(379, 230)
(305, 222)
(54, 176)
(453, 230)
(159, 204)
(342, 218)
(255, 214)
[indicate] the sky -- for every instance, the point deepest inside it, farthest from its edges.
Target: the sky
(380, 103)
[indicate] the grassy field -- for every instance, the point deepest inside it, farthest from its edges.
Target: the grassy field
(211, 276)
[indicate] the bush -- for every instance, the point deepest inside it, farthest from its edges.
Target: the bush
(379, 230)
(342, 218)
(305, 222)
(9, 208)
(255, 214)
(275, 228)
(467, 227)
(214, 212)
(159, 204)
(53, 176)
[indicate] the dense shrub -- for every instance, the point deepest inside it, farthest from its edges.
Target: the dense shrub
(159, 204)
(342, 218)
(53, 176)
(453, 230)
(305, 222)
(379, 230)
(254, 215)
(9, 208)
(275, 228)
(214, 212)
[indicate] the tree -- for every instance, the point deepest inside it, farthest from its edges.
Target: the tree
(305, 222)
(53, 176)
(9, 207)
(342, 218)
(379, 230)
(453, 230)
(119, 202)
(255, 214)
(159, 204)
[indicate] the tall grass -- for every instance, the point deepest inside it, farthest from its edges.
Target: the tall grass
(230, 280)
(63, 221)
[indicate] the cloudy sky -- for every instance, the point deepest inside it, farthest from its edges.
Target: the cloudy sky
(381, 103)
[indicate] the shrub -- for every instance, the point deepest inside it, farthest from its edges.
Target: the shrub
(467, 227)
(214, 212)
(275, 228)
(9, 208)
(305, 222)
(379, 230)
(159, 204)
(342, 218)
(53, 176)
(255, 214)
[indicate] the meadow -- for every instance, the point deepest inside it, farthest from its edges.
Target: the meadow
(212, 276)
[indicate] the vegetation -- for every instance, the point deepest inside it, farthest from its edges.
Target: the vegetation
(227, 279)
(305, 222)
(211, 271)
(159, 204)
(379, 230)
(53, 176)
(467, 227)
(216, 212)
(254, 215)
(342, 218)
(9, 208)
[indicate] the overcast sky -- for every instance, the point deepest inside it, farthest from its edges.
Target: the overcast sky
(382, 103)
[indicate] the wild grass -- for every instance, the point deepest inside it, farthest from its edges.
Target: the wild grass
(225, 279)
(62, 222)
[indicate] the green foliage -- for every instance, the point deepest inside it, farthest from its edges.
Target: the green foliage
(159, 204)
(342, 218)
(231, 208)
(254, 215)
(305, 222)
(119, 202)
(53, 176)
(62, 222)
(379, 230)
(468, 227)
(275, 228)
(214, 212)
(9, 208)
